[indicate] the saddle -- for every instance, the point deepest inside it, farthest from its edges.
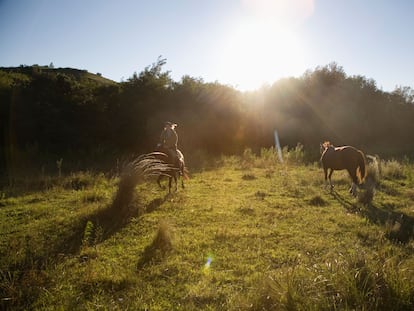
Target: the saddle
(174, 156)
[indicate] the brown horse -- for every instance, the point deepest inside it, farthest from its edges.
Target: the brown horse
(177, 168)
(344, 158)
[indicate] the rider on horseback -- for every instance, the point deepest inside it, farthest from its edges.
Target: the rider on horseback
(169, 140)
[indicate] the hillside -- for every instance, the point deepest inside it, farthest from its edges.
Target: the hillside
(79, 75)
(246, 233)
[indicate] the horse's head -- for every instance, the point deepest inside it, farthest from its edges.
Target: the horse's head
(325, 145)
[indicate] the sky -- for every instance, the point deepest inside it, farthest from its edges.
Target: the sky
(241, 43)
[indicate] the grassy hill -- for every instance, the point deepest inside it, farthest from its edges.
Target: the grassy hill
(78, 74)
(248, 233)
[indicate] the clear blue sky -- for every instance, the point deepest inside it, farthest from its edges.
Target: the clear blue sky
(242, 43)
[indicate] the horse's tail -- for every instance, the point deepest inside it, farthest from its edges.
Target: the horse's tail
(362, 167)
(183, 169)
(185, 173)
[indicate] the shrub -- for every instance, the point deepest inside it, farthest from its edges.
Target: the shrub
(268, 157)
(373, 169)
(372, 180)
(295, 155)
(248, 159)
(392, 169)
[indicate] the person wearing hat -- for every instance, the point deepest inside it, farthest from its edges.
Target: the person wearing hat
(169, 140)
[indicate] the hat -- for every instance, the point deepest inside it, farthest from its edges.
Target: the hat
(170, 124)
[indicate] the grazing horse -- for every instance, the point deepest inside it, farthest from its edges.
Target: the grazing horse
(177, 168)
(343, 158)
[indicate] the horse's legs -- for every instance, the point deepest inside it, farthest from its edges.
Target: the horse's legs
(325, 170)
(175, 180)
(159, 181)
(330, 175)
(353, 189)
(169, 184)
(182, 175)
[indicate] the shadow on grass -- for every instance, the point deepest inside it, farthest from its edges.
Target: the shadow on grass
(351, 207)
(159, 247)
(399, 227)
(96, 287)
(108, 221)
(26, 277)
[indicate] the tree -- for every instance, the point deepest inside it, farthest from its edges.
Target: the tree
(404, 94)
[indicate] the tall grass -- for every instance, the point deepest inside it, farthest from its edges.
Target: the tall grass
(250, 233)
(392, 169)
(269, 157)
(349, 282)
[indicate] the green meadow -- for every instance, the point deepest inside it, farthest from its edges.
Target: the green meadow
(246, 233)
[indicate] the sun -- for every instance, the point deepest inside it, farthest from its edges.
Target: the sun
(257, 54)
(262, 47)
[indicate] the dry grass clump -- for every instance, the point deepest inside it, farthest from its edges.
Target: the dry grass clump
(392, 169)
(160, 246)
(249, 177)
(372, 180)
(134, 172)
(317, 201)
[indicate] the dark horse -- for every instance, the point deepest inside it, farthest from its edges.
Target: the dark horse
(177, 168)
(343, 158)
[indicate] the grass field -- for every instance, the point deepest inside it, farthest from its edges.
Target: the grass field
(247, 233)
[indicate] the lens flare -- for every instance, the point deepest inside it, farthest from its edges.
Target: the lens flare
(207, 265)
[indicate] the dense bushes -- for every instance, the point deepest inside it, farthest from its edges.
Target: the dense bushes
(48, 113)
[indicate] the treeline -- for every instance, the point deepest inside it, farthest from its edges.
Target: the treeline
(48, 113)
